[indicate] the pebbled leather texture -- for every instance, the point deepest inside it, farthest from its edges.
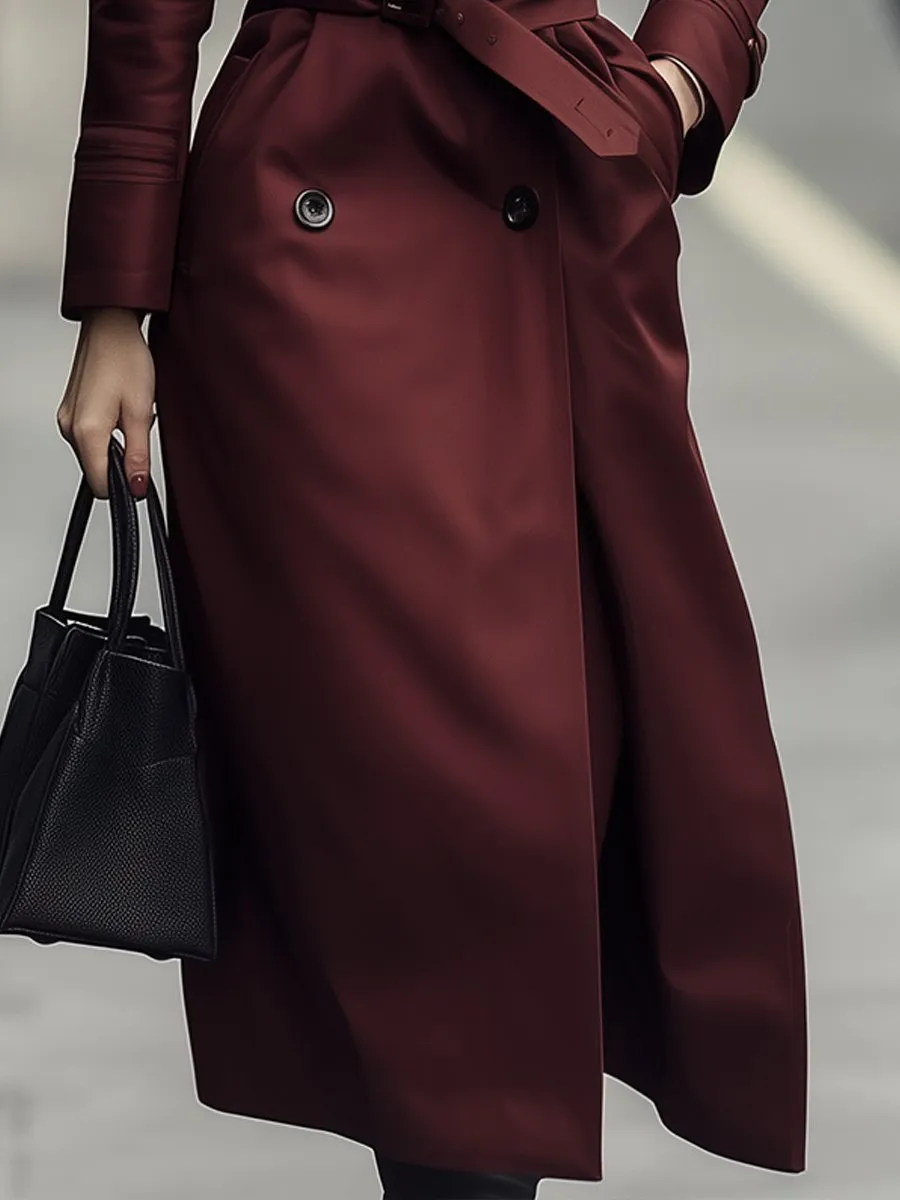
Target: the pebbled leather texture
(104, 831)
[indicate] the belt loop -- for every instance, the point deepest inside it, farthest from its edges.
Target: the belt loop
(408, 12)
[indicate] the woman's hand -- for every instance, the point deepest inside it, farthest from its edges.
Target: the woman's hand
(680, 83)
(111, 386)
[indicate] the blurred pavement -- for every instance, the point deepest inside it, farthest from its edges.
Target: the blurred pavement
(799, 429)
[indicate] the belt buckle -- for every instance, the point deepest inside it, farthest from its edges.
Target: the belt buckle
(409, 12)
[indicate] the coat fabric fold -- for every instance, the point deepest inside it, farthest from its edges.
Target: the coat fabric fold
(483, 728)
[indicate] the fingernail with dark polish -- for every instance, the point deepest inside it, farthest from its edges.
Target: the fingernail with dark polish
(138, 483)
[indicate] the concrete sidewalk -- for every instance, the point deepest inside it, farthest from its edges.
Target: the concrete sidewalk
(797, 427)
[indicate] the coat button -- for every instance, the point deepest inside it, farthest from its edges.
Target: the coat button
(521, 207)
(314, 209)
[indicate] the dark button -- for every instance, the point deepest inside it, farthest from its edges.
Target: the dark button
(520, 207)
(314, 209)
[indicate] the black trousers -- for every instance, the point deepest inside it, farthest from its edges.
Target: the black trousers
(410, 1181)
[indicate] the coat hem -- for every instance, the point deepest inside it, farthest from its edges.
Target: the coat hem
(273, 1114)
(258, 1110)
(676, 1120)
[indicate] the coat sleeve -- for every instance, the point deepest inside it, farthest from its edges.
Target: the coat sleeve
(134, 134)
(721, 42)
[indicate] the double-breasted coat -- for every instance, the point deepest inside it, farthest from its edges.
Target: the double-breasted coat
(497, 803)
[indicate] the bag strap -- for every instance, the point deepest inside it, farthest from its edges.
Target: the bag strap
(125, 556)
(124, 543)
(159, 539)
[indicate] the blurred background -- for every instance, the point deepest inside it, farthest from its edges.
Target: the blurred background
(798, 242)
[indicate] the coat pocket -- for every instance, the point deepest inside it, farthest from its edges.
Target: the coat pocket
(249, 42)
(604, 52)
(218, 101)
(657, 110)
(226, 87)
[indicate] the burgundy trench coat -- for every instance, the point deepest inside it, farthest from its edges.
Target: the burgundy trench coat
(497, 801)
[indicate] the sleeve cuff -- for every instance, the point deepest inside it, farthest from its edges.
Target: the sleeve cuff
(122, 224)
(725, 51)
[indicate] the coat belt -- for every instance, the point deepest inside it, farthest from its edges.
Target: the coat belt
(499, 34)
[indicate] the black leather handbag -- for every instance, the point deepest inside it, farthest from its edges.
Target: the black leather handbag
(104, 831)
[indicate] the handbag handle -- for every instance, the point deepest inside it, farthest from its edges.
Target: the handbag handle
(126, 556)
(123, 546)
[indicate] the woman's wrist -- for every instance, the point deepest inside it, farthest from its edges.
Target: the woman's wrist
(689, 99)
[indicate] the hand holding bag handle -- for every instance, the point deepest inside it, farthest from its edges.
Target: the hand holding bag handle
(107, 839)
(125, 540)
